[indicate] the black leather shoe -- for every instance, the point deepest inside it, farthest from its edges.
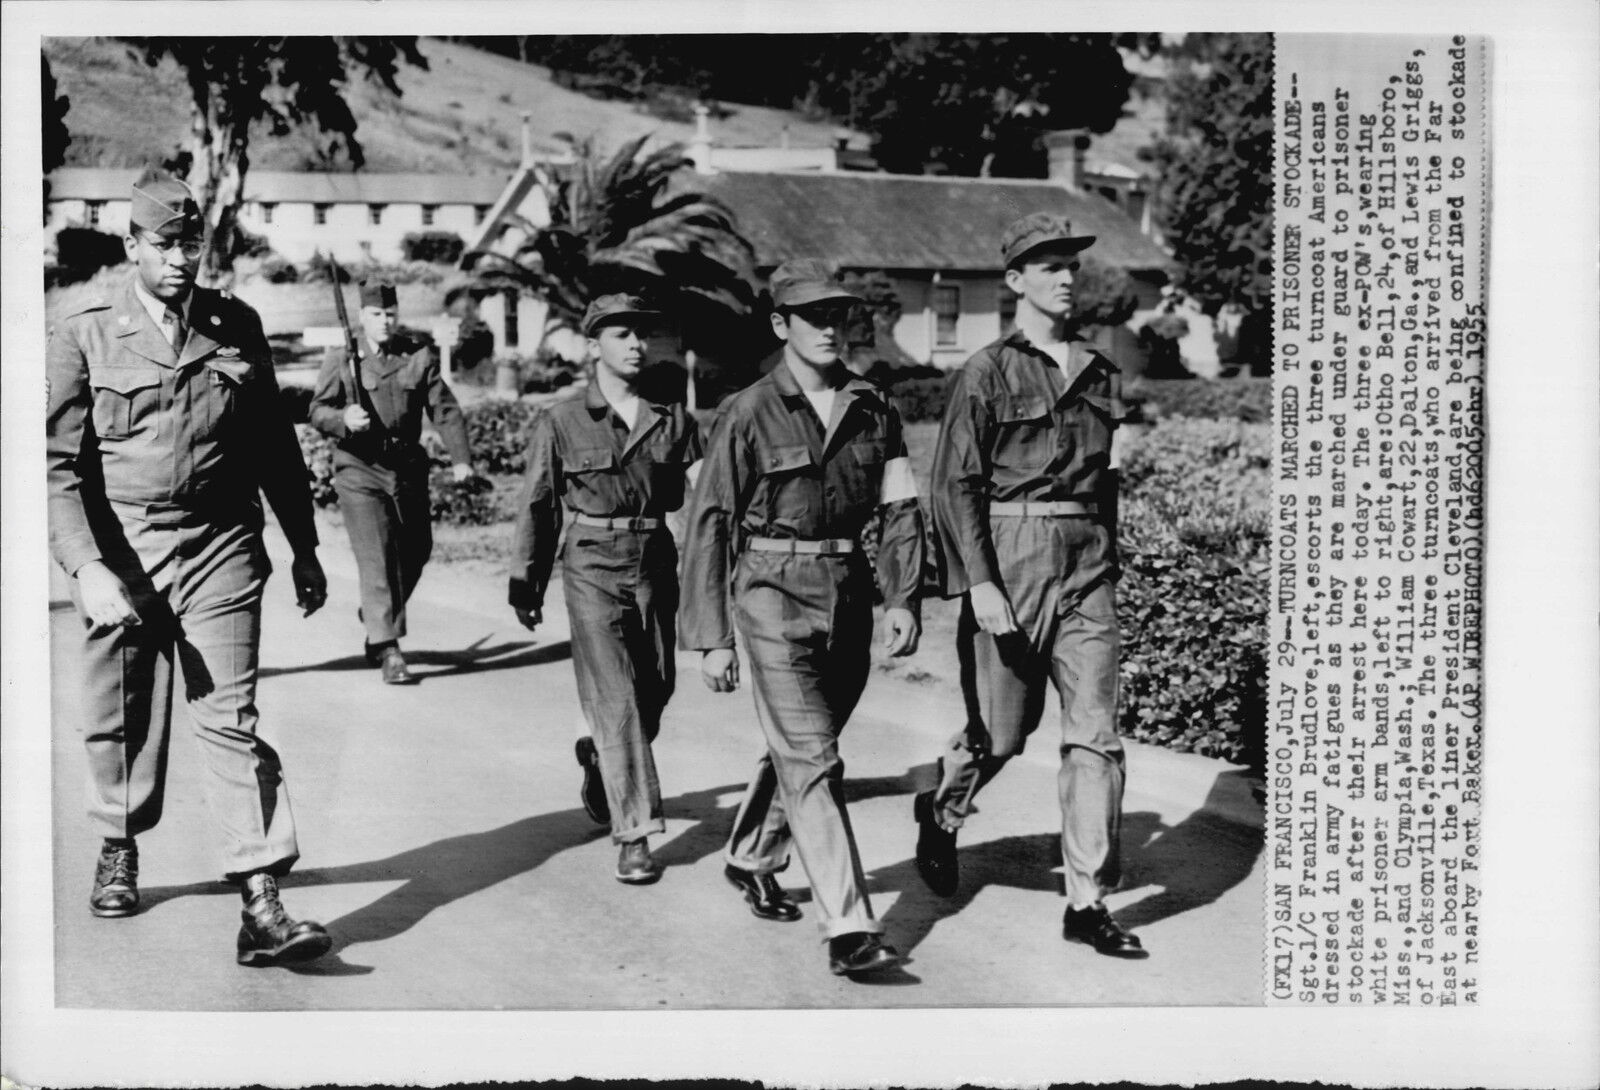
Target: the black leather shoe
(766, 898)
(269, 936)
(861, 952)
(936, 849)
(635, 866)
(593, 792)
(1096, 927)
(116, 881)
(394, 667)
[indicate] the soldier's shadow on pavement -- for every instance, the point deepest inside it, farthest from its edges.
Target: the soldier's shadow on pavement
(1195, 862)
(480, 657)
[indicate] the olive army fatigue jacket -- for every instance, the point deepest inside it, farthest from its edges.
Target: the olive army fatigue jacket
(140, 431)
(400, 386)
(1017, 428)
(582, 452)
(773, 470)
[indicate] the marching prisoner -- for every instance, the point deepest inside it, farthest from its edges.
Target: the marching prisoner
(797, 463)
(380, 470)
(619, 461)
(1024, 503)
(163, 429)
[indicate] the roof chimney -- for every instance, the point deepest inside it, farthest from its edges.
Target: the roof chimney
(700, 144)
(527, 139)
(1068, 151)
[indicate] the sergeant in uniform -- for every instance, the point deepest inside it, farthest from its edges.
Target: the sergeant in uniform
(796, 465)
(380, 469)
(1024, 503)
(619, 461)
(163, 429)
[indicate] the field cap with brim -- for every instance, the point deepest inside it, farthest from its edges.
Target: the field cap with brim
(165, 207)
(379, 293)
(617, 308)
(806, 280)
(1036, 229)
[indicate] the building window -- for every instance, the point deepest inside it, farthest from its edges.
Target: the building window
(266, 211)
(479, 212)
(427, 214)
(1007, 308)
(375, 213)
(946, 312)
(93, 209)
(319, 214)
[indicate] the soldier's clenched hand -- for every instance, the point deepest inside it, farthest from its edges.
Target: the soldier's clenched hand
(991, 609)
(356, 418)
(310, 585)
(901, 629)
(105, 598)
(530, 618)
(720, 670)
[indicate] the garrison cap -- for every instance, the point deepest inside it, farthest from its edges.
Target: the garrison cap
(1039, 229)
(165, 207)
(806, 280)
(615, 308)
(378, 293)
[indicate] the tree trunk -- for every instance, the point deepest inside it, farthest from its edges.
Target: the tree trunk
(219, 158)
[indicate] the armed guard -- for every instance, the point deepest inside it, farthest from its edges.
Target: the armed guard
(372, 397)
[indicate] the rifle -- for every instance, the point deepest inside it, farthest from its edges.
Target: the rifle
(352, 354)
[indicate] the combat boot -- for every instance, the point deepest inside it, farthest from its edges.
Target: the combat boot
(116, 880)
(269, 936)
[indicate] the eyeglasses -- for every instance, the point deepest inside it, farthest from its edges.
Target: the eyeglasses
(190, 248)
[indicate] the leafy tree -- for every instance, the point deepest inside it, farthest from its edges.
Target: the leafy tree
(1102, 294)
(964, 103)
(626, 224)
(1213, 199)
(237, 84)
(56, 136)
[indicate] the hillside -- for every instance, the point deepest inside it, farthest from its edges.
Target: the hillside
(464, 112)
(461, 114)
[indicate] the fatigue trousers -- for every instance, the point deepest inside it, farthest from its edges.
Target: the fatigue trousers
(198, 593)
(387, 516)
(1057, 576)
(806, 625)
(621, 588)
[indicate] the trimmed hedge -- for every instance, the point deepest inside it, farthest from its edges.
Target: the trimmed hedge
(437, 247)
(1246, 399)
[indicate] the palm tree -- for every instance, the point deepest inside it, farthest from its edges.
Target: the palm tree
(624, 225)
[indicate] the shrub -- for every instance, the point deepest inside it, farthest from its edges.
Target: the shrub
(920, 399)
(83, 251)
(317, 450)
(498, 432)
(1194, 589)
(437, 247)
(462, 503)
(1246, 399)
(249, 244)
(277, 269)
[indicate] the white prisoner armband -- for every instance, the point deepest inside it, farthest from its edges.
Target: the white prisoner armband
(898, 483)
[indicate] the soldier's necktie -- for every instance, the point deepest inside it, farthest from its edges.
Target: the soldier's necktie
(176, 331)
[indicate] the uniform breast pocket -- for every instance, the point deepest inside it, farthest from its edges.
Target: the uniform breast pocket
(225, 382)
(584, 464)
(865, 477)
(1025, 433)
(123, 398)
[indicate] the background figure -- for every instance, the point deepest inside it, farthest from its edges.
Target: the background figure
(620, 462)
(380, 469)
(797, 464)
(1024, 502)
(1159, 337)
(163, 428)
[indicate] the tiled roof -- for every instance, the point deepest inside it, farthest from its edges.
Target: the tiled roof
(283, 186)
(891, 221)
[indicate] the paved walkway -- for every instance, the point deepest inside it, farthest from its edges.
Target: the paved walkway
(444, 847)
